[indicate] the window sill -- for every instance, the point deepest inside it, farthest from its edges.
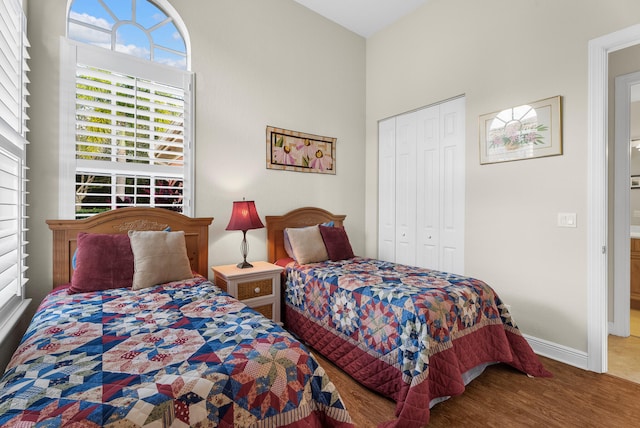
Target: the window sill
(8, 324)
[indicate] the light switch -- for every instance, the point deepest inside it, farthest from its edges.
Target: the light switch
(567, 220)
(636, 213)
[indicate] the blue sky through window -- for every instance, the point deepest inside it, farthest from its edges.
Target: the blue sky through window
(142, 32)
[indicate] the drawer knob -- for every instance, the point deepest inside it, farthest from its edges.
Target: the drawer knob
(257, 290)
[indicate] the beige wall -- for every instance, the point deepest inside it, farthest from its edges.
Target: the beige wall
(502, 53)
(257, 63)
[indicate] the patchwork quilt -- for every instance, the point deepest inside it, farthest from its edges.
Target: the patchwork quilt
(181, 354)
(406, 332)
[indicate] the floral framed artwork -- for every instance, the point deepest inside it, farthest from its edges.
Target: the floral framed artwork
(298, 151)
(527, 131)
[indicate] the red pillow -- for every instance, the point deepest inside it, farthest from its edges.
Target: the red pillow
(102, 262)
(337, 242)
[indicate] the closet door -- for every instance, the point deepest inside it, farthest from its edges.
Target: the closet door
(406, 140)
(452, 189)
(387, 189)
(428, 188)
(421, 187)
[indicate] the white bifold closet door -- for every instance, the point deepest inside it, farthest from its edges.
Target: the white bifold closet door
(421, 187)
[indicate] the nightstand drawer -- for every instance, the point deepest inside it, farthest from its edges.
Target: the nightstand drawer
(220, 282)
(266, 310)
(257, 288)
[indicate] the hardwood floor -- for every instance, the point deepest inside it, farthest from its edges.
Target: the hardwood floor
(635, 322)
(624, 357)
(504, 397)
(624, 352)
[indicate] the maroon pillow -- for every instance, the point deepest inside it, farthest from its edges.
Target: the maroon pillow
(102, 262)
(337, 242)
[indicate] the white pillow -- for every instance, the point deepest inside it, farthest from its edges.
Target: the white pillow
(158, 257)
(307, 244)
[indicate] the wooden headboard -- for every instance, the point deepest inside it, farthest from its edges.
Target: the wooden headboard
(65, 233)
(300, 217)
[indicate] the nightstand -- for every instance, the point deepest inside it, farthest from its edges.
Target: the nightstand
(257, 287)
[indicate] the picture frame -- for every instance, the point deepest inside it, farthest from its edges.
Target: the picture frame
(526, 131)
(635, 181)
(299, 151)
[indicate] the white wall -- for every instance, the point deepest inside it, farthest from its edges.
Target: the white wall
(503, 53)
(257, 63)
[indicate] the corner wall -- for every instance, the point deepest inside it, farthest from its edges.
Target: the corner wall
(503, 53)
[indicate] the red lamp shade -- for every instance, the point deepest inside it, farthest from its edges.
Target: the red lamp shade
(244, 216)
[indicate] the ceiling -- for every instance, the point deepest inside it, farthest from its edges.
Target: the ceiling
(363, 17)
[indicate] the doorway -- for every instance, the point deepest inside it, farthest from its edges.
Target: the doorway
(598, 221)
(626, 199)
(622, 345)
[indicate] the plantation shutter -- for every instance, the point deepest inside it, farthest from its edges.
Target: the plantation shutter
(13, 118)
(131, 133)
(12, 229)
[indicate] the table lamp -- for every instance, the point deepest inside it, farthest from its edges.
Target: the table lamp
(244, 217)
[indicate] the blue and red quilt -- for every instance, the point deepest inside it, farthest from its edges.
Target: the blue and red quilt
(182, 354)
(406, 332)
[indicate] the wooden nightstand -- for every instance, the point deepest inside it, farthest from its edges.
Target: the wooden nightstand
(257, 287)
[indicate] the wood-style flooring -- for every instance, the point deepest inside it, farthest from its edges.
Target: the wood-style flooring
(504, 397)
(635, 322)
(624, 352)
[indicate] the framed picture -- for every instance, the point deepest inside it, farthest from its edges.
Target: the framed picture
(523, 132)
(298, 151)
(635, 181)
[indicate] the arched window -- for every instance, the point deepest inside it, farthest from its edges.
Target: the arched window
(127, 108)
(136, 27)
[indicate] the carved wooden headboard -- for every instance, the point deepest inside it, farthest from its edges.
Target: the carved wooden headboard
(65, 233)
(300, 217)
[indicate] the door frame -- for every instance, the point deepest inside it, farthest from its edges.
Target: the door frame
(597, 199)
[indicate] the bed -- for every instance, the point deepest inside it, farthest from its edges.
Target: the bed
(175, 353)
(415, 335)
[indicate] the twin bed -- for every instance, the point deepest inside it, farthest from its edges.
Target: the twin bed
(415, 335)
(184, 353)
(178, 354)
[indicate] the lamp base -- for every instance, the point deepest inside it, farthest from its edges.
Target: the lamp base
(244, 264)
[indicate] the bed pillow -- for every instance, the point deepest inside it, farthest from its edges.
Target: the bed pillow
(158, 257)
(307, 244)
(75, 253)
(337, 243)
(102, 262)
(287, 243)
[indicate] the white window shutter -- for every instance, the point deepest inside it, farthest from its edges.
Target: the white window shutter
(131, 119)
(13, 129)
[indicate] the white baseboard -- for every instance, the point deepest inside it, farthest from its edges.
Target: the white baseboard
(557, 352)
